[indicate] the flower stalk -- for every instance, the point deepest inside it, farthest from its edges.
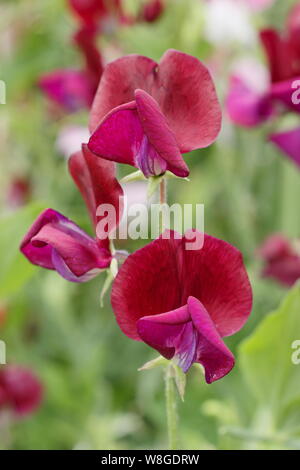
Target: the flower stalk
(171, 408)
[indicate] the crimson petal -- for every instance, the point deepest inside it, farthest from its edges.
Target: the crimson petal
(118, 83)
(97, 182)
(186, 94)
(159, 134)
(119, 135)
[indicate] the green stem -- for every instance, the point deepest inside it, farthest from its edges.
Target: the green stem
(163, 191)
(162, 201)
(171, 406)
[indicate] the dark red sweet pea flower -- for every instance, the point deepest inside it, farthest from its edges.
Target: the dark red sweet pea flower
(146, 114)
(281, 260)
(181, 302)
(20, 390)
(74, 89)
(55, 242)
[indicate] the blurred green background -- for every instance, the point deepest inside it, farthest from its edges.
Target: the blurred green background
(94, 396)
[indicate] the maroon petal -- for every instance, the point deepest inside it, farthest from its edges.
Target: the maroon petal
(187, 97)
(97, 182)
(164, 274)
(216, 275)
(119, 81)
(246, 107)
(137, 134)
(148, 283)
(55, 242)
(159, 134)
(289, 143)
(22, 389)
(119, 135)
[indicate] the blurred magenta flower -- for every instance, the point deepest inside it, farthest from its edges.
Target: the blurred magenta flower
(245, 106)
(55, 242)
(70, 138)
(74, 89)
(281, 260)
(182, 302)
(20, 389)
(249, 107)
(147, 114)
(289, 143)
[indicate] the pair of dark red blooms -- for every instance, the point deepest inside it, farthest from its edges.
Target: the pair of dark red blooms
(181, 302)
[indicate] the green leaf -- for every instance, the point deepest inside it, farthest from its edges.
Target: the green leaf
(266, 357)
(15, 268)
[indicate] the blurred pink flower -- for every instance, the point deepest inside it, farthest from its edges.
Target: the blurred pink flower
(289, 143)
(281, 260)
(182, 302)
(74, 89)
(247, 102)
(147, 114)
(247, 106)
(259, 4)
(20, 389)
